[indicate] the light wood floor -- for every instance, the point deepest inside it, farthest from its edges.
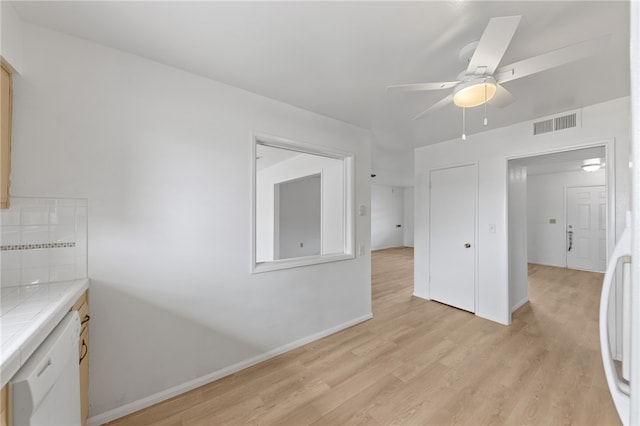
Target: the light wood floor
(419, 362)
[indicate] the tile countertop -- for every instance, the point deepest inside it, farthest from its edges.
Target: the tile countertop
(27, 315)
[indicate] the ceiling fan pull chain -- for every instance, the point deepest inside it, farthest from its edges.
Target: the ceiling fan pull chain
(464, 136)
(485, 104)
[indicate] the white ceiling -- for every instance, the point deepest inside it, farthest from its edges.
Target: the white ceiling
(336, 58)
(267, 156)
(560, 162)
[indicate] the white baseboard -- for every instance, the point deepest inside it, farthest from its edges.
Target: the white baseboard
(138, 405)
(503, 321)
(556, 265)
(386, 247)
(519, 304)
(421, 295)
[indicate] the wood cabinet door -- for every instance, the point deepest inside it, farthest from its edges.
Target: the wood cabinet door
(84, 375)
(5, 136)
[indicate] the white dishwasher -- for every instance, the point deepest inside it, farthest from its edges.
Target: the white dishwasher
(46, 390)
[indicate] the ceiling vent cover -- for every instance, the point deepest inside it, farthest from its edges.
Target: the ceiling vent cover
(545, 126)
(565, 122)
(554, 124)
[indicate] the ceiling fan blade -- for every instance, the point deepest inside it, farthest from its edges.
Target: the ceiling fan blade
(551, 59)
(502, 98)
(423, 86)
(442, 102)
(492, 45)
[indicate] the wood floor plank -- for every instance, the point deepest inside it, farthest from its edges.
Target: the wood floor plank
(422, 362)
(356, 409)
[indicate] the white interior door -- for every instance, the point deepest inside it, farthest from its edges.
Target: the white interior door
(452, 236)
(587, 228)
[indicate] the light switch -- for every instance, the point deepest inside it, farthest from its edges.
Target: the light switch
(362, 210)
(492, 228)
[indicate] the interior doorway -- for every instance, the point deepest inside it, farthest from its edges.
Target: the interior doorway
(538, 225)
(530, 236)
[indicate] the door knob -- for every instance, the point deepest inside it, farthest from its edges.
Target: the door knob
(467, 245)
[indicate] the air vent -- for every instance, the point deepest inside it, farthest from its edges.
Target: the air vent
(564, 122)
(545, 126)
(554, 124)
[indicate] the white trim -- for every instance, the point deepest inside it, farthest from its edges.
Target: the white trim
(476, 243)
(274, 265)
(507, 271)
(547, 264)
(519, 304)
(421, 296)
(386, 247)
(150, 400)
(302, 147)
(499, 320)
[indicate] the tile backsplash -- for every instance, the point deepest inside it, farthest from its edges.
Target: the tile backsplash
(43, 240)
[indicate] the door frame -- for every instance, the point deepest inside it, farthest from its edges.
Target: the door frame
(610, 184)
(475, 224)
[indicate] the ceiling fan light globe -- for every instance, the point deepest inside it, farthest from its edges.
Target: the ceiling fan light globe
(592, 165)
(475, 92)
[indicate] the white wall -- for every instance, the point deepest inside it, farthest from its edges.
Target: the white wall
(387, 205)
(546, 200)
(10, 36)
(517, 226)
(299, 218)
(491, 149)
(409, 206)
(164, 159)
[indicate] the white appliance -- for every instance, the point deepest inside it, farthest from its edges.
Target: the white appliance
(46, 390)
(618, 386)
(625, 391)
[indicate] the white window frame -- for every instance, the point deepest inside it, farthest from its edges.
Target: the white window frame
(349, 202)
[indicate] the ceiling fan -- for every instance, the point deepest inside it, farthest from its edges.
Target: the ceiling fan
(481, 83)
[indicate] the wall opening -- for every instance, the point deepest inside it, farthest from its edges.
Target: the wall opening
(540, 230)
